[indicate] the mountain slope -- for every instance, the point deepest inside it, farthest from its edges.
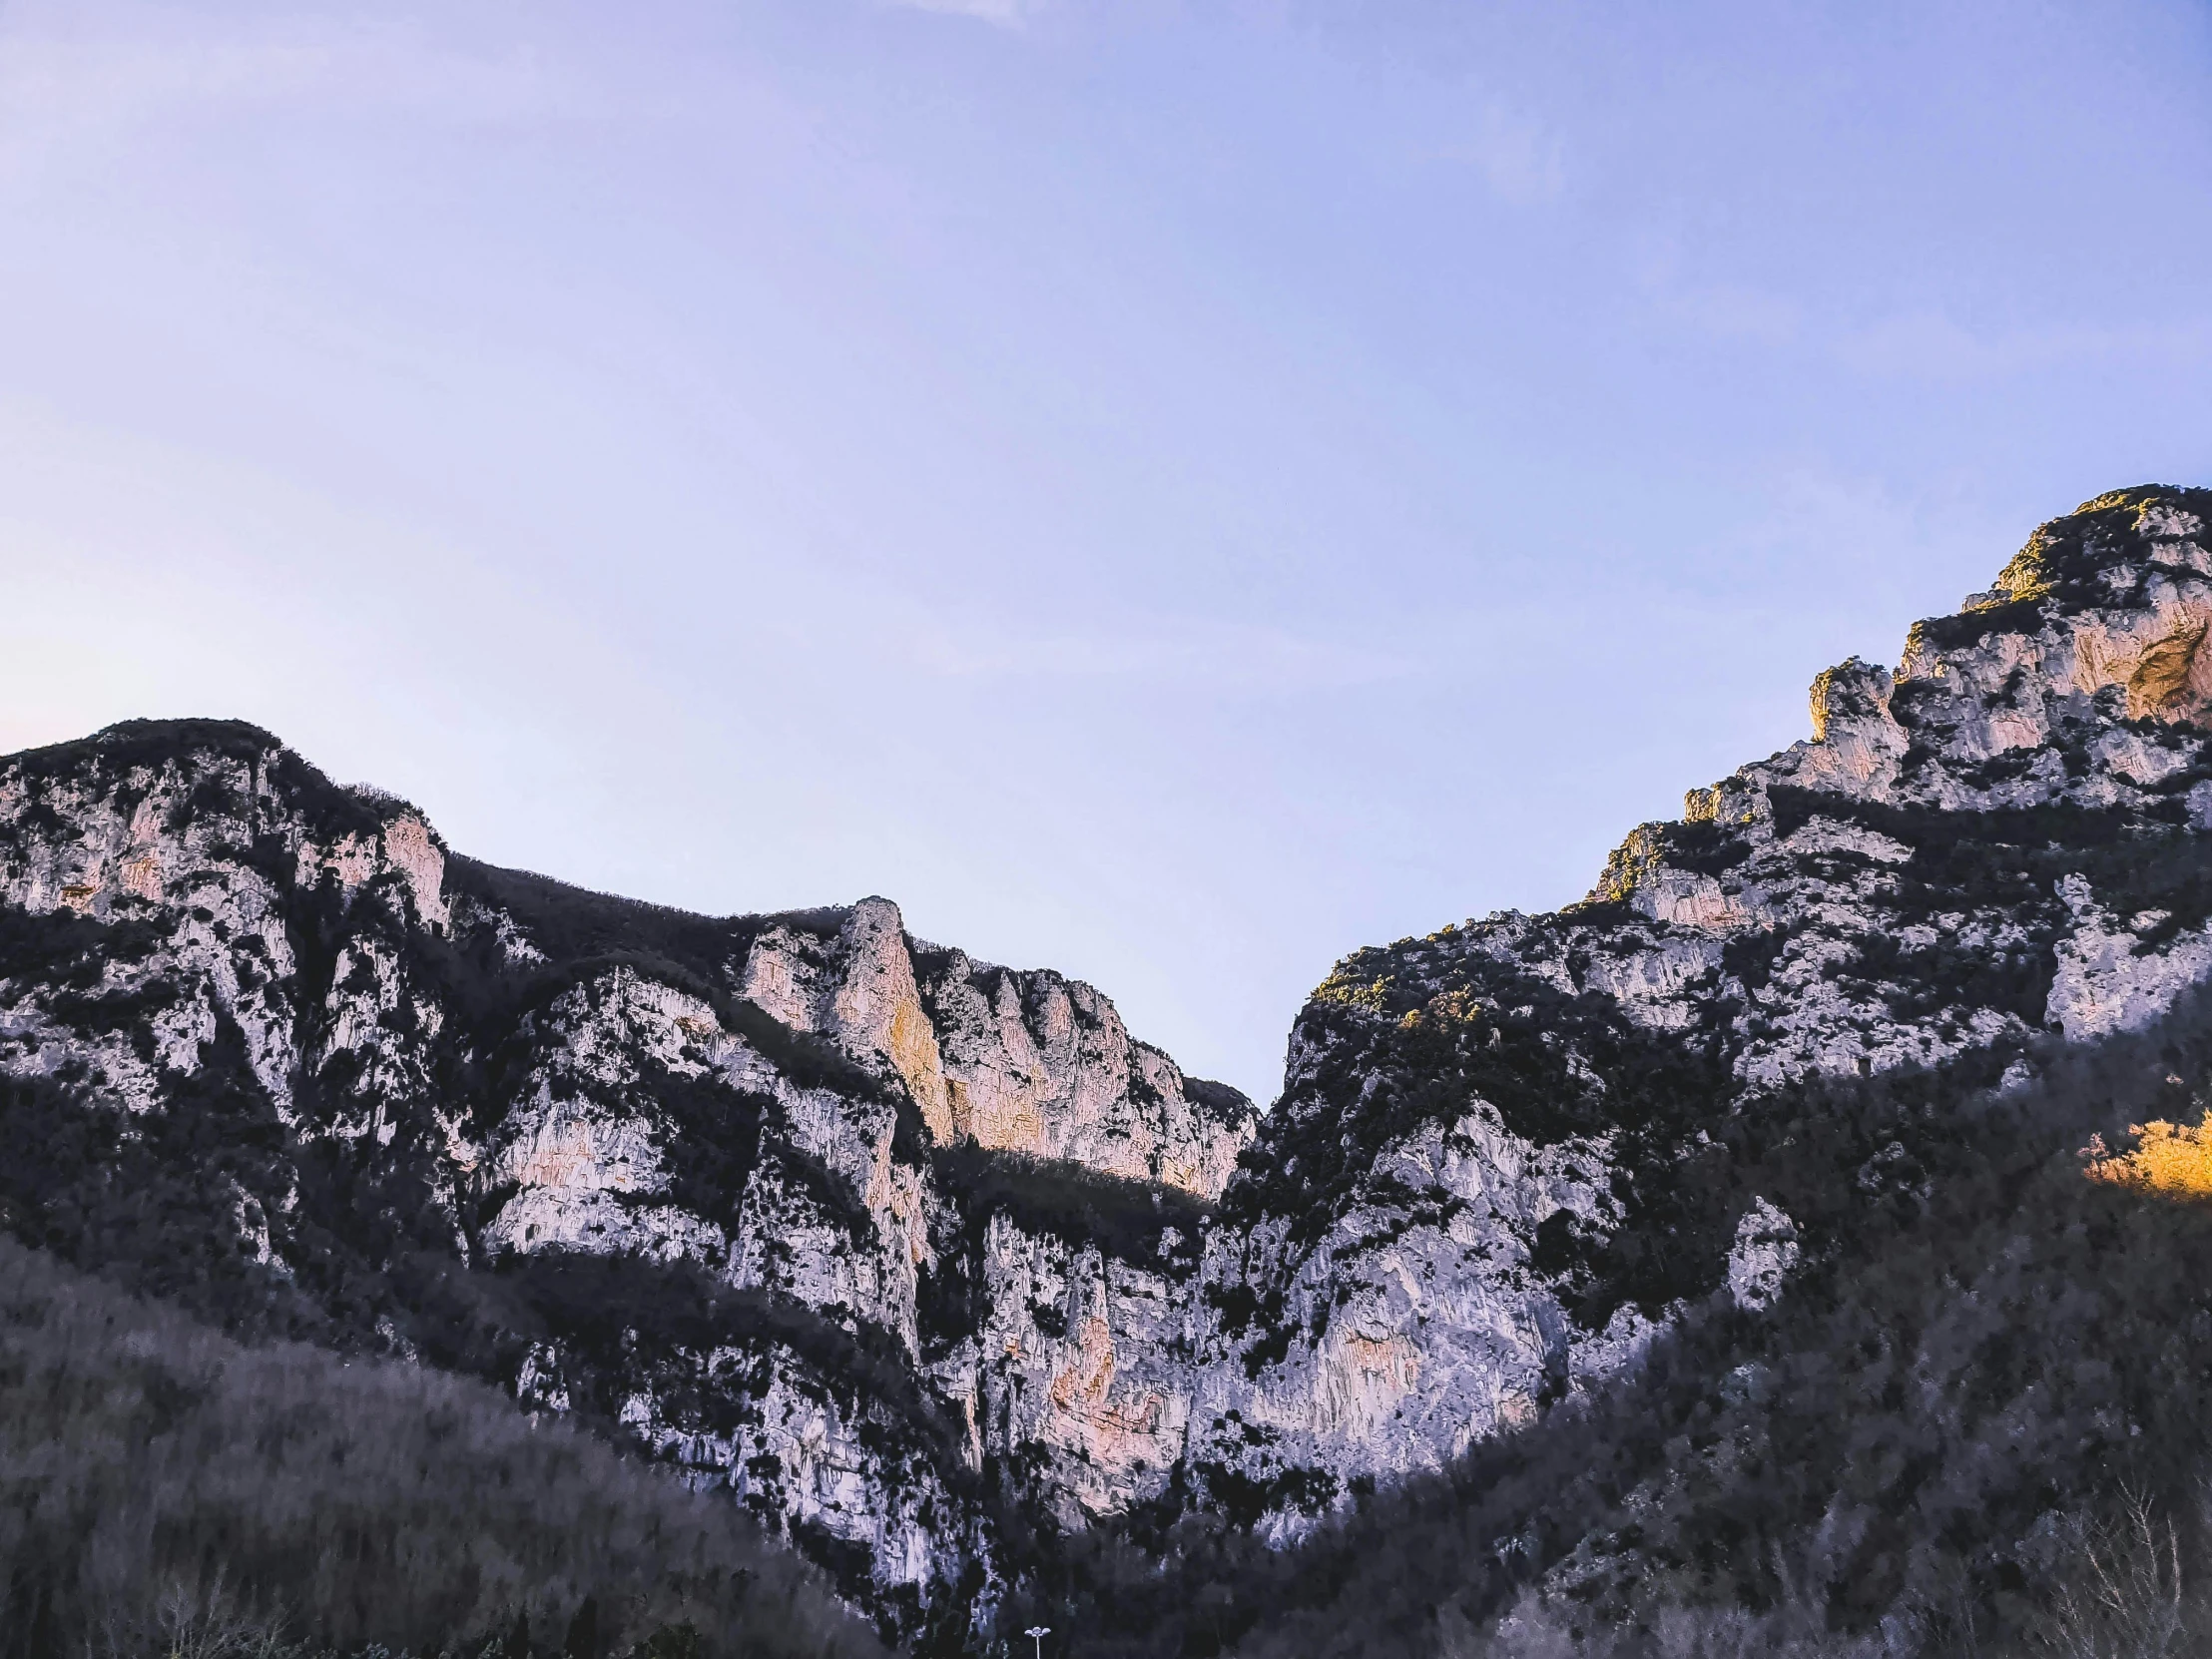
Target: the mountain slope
(1983, 1359)
(1499, 1159)
(929, 1260)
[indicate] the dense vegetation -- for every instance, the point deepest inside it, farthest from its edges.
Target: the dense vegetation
(1989, 1376)
(163, 1489)
(1136, 1220)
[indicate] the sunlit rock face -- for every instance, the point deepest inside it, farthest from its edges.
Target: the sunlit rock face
(1026, 1062)
(1084, 1360)
(879, 1237)
(1036, 1063)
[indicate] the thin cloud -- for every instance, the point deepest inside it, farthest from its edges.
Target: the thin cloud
(1930, 344)
(62, 96)
(1008, 14)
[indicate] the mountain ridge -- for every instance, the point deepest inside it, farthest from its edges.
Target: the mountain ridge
(930, 1260)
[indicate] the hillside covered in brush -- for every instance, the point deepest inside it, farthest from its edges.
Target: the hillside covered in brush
(165, 1489)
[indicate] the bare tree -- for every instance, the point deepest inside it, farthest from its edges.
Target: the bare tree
(2123, 1598)
(199, 1620)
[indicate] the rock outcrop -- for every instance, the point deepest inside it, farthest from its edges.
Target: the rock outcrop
(883, 1239)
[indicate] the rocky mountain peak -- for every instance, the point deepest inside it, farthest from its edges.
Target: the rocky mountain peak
(2078, 678)
(153, 782)
(2111, 545)
(1473, 1187)
(2094, 628)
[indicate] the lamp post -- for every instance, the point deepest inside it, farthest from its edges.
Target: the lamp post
(1037, 1633)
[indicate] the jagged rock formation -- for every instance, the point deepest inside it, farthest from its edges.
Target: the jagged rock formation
(887, 1239)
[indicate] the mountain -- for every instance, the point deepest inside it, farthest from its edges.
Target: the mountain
(929, 1261)
(1977, 1422)
(1499, 1157)
(811, 1208)
(1795, 1108)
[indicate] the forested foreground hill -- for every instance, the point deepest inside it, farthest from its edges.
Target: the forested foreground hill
(1980, 1422)
(165, 1490)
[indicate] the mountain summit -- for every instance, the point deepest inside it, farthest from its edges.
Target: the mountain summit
(917, 1255)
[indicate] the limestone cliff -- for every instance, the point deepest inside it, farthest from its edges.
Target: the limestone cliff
(1017, 1062)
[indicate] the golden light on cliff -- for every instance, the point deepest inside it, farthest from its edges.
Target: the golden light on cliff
(2173, 1160)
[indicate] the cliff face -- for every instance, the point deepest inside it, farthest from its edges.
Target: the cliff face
(886, 1239)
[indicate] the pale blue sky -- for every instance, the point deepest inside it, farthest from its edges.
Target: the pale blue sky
(1167, 491)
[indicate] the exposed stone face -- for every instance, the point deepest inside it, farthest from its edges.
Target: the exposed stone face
(580, 1146)
(1026, 1062)
(855, 987)
(1043, 1065)
(1085, 1359)
(1765, 1251)
(1415, 1322)
(805, 1455)
(760, 1189)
